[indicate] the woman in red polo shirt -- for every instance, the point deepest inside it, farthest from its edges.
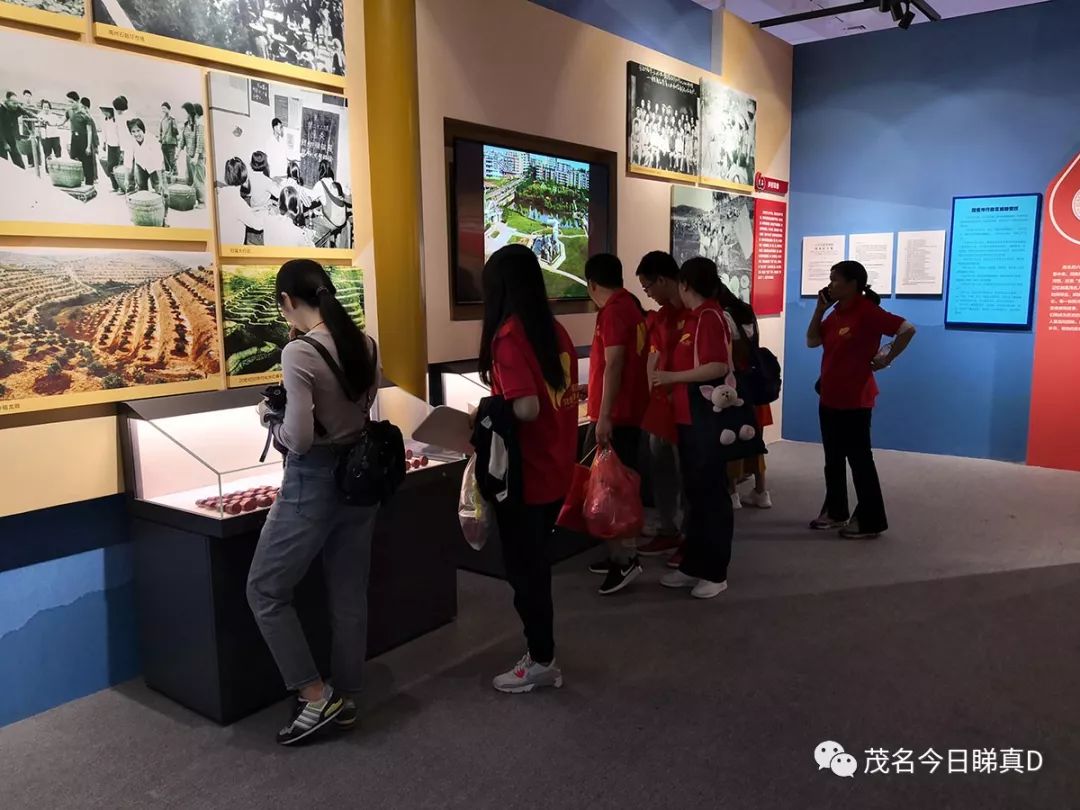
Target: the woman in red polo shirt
(851, 336)
(701, 355)
(527, 357)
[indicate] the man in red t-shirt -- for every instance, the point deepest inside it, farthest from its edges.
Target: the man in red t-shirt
(851, 336)
(618, 390)
(658, 273)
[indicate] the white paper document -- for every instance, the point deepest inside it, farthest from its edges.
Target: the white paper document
(875, 252)
(819, 254)
(920, 263)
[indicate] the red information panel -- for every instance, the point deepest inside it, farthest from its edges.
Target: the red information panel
(770, 250)
(1054, 436)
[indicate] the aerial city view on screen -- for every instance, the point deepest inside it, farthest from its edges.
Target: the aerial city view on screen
(541, 202)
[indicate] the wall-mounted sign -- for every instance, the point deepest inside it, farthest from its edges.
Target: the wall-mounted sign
(770, 185)
(1053, 440)
(992, 261)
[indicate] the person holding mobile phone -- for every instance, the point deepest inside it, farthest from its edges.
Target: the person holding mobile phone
(851, 338)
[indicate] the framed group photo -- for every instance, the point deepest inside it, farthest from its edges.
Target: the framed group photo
(282, 169)
(662, 125)
(298, 39)
(100, 143)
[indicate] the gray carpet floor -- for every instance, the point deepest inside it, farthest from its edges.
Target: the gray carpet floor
(958, 630)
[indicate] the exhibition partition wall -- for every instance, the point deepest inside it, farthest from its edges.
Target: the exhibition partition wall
(974, 106)
(136, 255)
(111, 283)
(567, 81)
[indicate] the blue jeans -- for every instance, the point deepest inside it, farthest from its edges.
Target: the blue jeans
(306, 520)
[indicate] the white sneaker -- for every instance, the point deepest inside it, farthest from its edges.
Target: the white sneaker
(736, 501)
(707, 590)
(528, 675)
(760, 500)
(677, 579)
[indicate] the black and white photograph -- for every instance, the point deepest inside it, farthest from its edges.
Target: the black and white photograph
(306, 34)
(728, 135)
(718, 226)
(93, 137)
(282, 168)
(663, 130)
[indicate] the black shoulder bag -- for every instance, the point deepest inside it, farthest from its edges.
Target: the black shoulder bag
(369, 471)
(760, 382)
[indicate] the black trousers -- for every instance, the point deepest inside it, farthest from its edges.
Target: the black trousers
(9, 149)
(168, 155)
(710, 521)
(525, 533)
(114, 158)
(845, 435)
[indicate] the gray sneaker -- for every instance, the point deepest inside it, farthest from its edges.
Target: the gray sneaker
(528, 675)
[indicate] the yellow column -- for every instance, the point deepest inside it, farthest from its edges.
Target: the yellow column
(394, 149)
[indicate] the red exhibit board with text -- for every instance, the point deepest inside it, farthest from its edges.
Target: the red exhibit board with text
(770, 249)
(1054, 435)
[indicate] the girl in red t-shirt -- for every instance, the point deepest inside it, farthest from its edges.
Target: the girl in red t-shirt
(852, 336)
(527, 357)
(701, 355)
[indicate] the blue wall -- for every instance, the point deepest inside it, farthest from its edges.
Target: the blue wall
(67, 605)
(679, 28)
(886, 129)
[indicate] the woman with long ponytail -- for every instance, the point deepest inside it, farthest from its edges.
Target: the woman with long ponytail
(528, 359)
(328, 401)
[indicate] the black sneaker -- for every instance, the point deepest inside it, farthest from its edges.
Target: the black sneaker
(347, 716)
(854, 532)
(308, 717)
(600, 567)
(618, 578)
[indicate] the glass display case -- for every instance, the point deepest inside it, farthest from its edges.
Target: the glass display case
(207, 454)
(458, 384)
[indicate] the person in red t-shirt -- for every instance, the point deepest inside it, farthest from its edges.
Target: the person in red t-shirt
(658, 273)
(527, 357)
(618, 392)
(701, 355)
(852, 336)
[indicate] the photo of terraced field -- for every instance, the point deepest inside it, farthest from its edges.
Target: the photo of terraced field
(254, 330)
(80, 326)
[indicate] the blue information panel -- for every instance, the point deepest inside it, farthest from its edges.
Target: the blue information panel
(992, 259)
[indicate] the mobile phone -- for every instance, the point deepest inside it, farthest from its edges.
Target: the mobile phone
(825, 295)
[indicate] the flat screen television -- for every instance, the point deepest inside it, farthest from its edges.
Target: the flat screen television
(556, 198)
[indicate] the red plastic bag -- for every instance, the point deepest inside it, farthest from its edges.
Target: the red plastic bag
(572, 514)
(613, 509)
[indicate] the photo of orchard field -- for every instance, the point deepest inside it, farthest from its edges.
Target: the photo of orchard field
(255, 333)
(83, 321)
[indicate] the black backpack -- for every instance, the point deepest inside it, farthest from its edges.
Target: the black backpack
(760, 383)
(369, 471)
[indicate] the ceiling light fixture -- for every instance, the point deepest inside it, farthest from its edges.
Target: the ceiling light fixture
(902, 12)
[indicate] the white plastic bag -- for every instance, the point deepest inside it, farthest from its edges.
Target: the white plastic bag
(474, 513)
